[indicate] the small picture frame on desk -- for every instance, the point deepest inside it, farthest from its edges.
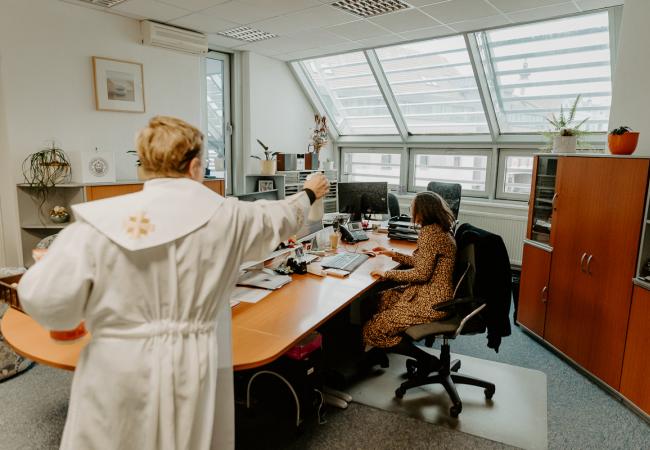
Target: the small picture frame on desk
(265, 185)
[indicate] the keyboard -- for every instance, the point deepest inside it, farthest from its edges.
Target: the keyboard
(344, 261)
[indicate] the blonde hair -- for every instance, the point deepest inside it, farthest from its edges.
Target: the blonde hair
(167, 146)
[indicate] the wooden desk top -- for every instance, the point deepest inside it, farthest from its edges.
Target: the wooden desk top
(261, 332)
(32, 341)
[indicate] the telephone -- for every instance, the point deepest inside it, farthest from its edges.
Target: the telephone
(353, 232)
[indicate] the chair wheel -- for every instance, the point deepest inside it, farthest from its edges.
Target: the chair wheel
(489, 392)
(399, 392)
(411, 365)
(455, 410)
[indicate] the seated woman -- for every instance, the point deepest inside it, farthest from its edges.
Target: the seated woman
(426, 282)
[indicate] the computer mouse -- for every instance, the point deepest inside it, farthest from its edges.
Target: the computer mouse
(369, 253)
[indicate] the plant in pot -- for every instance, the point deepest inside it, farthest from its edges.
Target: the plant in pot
(622, 141)
(45, 169)
(563, 138)
(268, 163)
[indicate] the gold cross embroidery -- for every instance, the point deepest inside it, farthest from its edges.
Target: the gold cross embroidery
(138, 226)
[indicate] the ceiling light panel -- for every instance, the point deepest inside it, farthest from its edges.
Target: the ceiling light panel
(247, 34)
(103, 3)
(370, 8)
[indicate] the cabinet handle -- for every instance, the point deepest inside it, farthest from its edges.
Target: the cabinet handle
(544, 294)
(555, 196)
(582, 262)
(589, 264)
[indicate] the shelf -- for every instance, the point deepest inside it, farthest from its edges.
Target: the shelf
(53, 226)
(63, 185)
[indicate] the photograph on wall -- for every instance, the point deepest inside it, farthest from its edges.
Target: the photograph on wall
(119, 85)
(265, 185)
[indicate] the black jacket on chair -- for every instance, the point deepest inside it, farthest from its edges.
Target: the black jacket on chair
(493, 279)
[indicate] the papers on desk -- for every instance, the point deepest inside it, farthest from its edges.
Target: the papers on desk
(247, 295)
(265, 279)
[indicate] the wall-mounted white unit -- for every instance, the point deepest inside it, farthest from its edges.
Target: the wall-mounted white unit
(159, 35)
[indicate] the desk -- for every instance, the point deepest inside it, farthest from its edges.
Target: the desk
(261, 332)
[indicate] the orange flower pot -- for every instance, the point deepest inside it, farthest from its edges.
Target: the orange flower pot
(69, 335)
(623, 144)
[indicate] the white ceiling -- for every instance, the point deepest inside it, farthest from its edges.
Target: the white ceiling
(308, 28)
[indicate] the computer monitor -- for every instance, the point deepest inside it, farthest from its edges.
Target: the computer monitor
(365, 198)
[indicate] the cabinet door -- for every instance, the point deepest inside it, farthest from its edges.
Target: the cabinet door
(565, 268)
(600, 209)
(533, 290)
(635, 381)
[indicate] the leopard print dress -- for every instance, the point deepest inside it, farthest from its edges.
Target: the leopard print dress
(426, 282)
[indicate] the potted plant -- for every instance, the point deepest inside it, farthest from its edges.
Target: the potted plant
(563, 138)
(268, 164)
(622, 141)
(59, 214)
(45, 169)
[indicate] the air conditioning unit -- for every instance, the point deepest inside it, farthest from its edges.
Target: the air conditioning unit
(159, 35)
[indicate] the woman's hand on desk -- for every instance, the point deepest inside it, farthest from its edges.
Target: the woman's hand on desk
(378, 273)
(383, 251)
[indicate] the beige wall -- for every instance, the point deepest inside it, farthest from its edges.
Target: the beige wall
(631, 81)
(47, 89)
(276, 111)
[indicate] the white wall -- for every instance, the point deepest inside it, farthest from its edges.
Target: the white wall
(631, 83)
(276, 111)
(46, 82)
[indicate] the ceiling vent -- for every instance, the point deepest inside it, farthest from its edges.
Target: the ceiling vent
(103, 3)
(247, 34)
(370, 8)
(159, 35)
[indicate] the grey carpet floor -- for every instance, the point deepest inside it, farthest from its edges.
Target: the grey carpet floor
(580, 416)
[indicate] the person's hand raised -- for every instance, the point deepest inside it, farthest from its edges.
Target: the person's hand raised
(318, 184)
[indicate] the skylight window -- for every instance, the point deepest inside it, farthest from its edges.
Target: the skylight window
(349, 92)
(534, 69)
(434, 85)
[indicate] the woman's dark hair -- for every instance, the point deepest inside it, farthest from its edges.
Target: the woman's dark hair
(430, 208)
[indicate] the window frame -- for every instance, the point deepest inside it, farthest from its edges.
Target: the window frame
(504, 153)
(497, 145)
(393, 150)
(414, 152)
(225, 58)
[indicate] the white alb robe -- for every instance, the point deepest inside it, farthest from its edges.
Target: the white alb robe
(151, 275)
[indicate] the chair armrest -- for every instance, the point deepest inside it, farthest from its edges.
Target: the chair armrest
(450, 304)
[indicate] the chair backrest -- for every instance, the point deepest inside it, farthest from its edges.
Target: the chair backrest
(393, 205)
(465, 278)
(450, 192)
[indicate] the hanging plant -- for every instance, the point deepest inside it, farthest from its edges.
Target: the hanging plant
(45, 169)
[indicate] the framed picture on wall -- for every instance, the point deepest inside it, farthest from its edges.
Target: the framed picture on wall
(119, 85)
(265, 185)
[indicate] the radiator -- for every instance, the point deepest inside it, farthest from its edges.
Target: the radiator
(511, 228)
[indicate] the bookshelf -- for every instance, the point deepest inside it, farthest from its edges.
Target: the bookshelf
(292, 181)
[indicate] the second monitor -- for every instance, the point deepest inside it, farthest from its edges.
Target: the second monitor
(363, 198)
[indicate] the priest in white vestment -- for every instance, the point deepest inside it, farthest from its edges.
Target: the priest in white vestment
(151, 275)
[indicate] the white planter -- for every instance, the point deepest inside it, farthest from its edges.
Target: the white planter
(268, 167)
(564, 144)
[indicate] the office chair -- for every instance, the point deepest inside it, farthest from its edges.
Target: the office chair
(450, 192)
(464, 318)
(393, 205)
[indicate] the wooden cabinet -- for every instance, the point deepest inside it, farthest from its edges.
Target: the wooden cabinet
(98, 192)
(597, 228)
(217, 186)
(635, 380)
(533, 292)
(597, 215)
